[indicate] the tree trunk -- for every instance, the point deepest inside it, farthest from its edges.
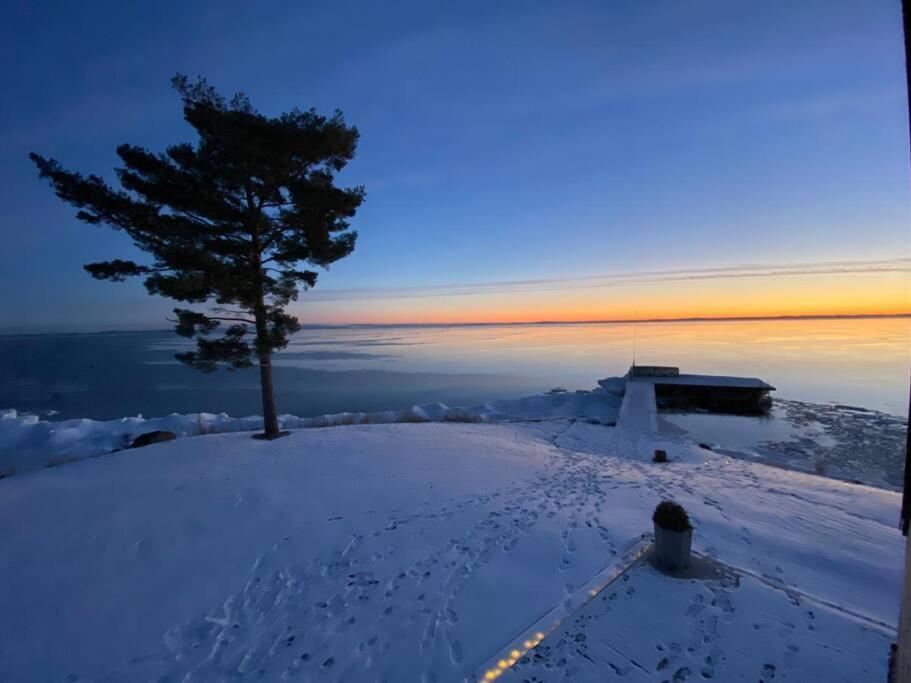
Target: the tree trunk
(263, 349)
(270, 417)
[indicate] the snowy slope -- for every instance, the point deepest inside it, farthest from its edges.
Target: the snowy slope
(385, 552)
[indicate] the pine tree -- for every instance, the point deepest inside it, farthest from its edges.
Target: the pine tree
(233, 222)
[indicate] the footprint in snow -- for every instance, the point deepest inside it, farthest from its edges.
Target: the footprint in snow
(455, 649)
(682, 674)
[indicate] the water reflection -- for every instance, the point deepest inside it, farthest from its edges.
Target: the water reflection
(854, 362)
(858, 362)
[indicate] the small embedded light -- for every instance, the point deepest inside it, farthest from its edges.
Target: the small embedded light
(514, 656)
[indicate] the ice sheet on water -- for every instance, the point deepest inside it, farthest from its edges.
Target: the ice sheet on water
(839, 441)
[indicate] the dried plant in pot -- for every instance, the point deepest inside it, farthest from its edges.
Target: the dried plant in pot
(673, 535)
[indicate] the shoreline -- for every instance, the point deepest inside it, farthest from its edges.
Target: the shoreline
(841, 443)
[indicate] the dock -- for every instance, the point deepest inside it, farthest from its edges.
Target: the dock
(639, 409)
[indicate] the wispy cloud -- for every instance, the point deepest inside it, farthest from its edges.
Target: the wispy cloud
(858, 101)
(619, 279)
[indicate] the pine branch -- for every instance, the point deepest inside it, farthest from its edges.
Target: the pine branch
(214, 317)
(239, 320)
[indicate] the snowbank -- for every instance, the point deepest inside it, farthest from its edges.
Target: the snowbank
(29, 443)
(842, 442)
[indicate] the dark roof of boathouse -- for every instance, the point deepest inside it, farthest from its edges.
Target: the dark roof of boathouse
(657, 374)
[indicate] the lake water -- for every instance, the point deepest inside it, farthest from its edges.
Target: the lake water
(362, 368)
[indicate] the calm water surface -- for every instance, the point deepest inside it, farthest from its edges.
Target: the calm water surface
(856, 362)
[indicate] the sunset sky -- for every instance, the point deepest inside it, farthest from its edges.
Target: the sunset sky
(523, 161)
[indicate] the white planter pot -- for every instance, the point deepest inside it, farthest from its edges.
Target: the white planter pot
(672, 548)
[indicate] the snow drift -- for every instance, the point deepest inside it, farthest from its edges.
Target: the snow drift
(28, 443)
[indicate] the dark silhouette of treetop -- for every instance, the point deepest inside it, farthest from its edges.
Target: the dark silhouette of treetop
(237, 221)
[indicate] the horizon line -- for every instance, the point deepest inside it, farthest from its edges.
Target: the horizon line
(619, 321)
(605, 321)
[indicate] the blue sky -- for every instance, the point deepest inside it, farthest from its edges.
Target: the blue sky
(501, 142)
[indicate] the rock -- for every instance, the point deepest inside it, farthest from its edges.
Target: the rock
(660, 456)
(147, 439)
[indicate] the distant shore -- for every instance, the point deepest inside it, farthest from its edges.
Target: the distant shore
(9, 332)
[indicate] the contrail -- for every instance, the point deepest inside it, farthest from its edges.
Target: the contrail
(619, 279)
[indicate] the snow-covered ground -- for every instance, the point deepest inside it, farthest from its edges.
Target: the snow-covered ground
(729, 627)
(29, 443)
(399, 552)
(844, 442)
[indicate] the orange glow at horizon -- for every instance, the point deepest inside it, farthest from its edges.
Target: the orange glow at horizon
(854, 294)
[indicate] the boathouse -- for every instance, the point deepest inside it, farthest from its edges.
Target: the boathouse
(715, 393)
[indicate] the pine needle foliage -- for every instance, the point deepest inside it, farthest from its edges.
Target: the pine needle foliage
(237, 222)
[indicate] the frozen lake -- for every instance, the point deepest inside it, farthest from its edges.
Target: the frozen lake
(332, 369)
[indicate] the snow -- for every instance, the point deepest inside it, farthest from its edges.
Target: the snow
(638, 410)
(732, 627)
(836, 441)
(29, 443)
(417, 551)
(843, 442)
